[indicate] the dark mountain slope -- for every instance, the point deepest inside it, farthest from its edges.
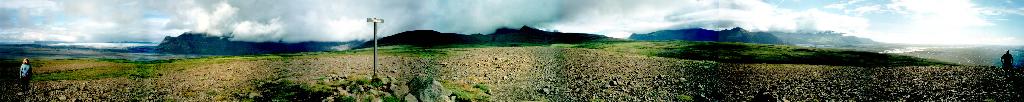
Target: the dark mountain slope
(201, 43)
(821, 38)
(741, 35)
(429, 38)
(425, 38)
(731, 35)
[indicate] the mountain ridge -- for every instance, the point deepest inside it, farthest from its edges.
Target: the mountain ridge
(202, 43)
(741, 35)
(525, 34)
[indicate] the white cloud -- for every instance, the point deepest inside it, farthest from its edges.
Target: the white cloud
(842, 5)
(344, 20)
(948, 13)
(865, 9)
(823, 21)
(31, 7)
(644, 17)
(1002, 11)
(210, 21)
(259, 32)
(940, 22)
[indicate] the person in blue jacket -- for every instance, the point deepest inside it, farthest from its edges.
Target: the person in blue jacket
(25, 76)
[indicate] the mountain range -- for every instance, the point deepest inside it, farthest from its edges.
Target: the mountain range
(201, 43)
(524, 35)
(741, 35)
(730, 35)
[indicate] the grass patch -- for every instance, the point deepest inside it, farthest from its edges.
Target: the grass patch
(345, 99)
(137, 62)
(398, 50)
(597, 100)
(284, 90)
(481, 45)
(466, 93)
(483, 87)
(360, 79)
(141, 69)
(684, 98)
(393, 99)
(122, 69)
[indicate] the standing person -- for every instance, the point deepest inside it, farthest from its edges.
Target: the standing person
(1007, 60)
(26, 76)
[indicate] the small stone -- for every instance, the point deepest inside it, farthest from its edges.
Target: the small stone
(254, 95)
(328, 99)
(385, 80)
(410, 98)
(400, 89)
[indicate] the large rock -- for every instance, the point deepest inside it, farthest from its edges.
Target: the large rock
(428, 90)
(400, 89)
(410, 98)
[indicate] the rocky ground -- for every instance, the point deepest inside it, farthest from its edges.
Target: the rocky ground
(837, 83)
(539, 74)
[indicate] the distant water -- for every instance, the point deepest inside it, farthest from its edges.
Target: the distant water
(61, 50)
(964, 55)
(1018, 57)
(905, 50)
(103, 45)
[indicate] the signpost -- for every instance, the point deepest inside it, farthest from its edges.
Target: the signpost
(375, 21)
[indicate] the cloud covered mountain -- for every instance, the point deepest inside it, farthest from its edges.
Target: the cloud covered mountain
(203, 43)
(828, 38)
(731, 35)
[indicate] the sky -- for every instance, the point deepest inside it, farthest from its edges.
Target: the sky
(955, 22)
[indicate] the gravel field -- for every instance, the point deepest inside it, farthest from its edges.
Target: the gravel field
(837, 83)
